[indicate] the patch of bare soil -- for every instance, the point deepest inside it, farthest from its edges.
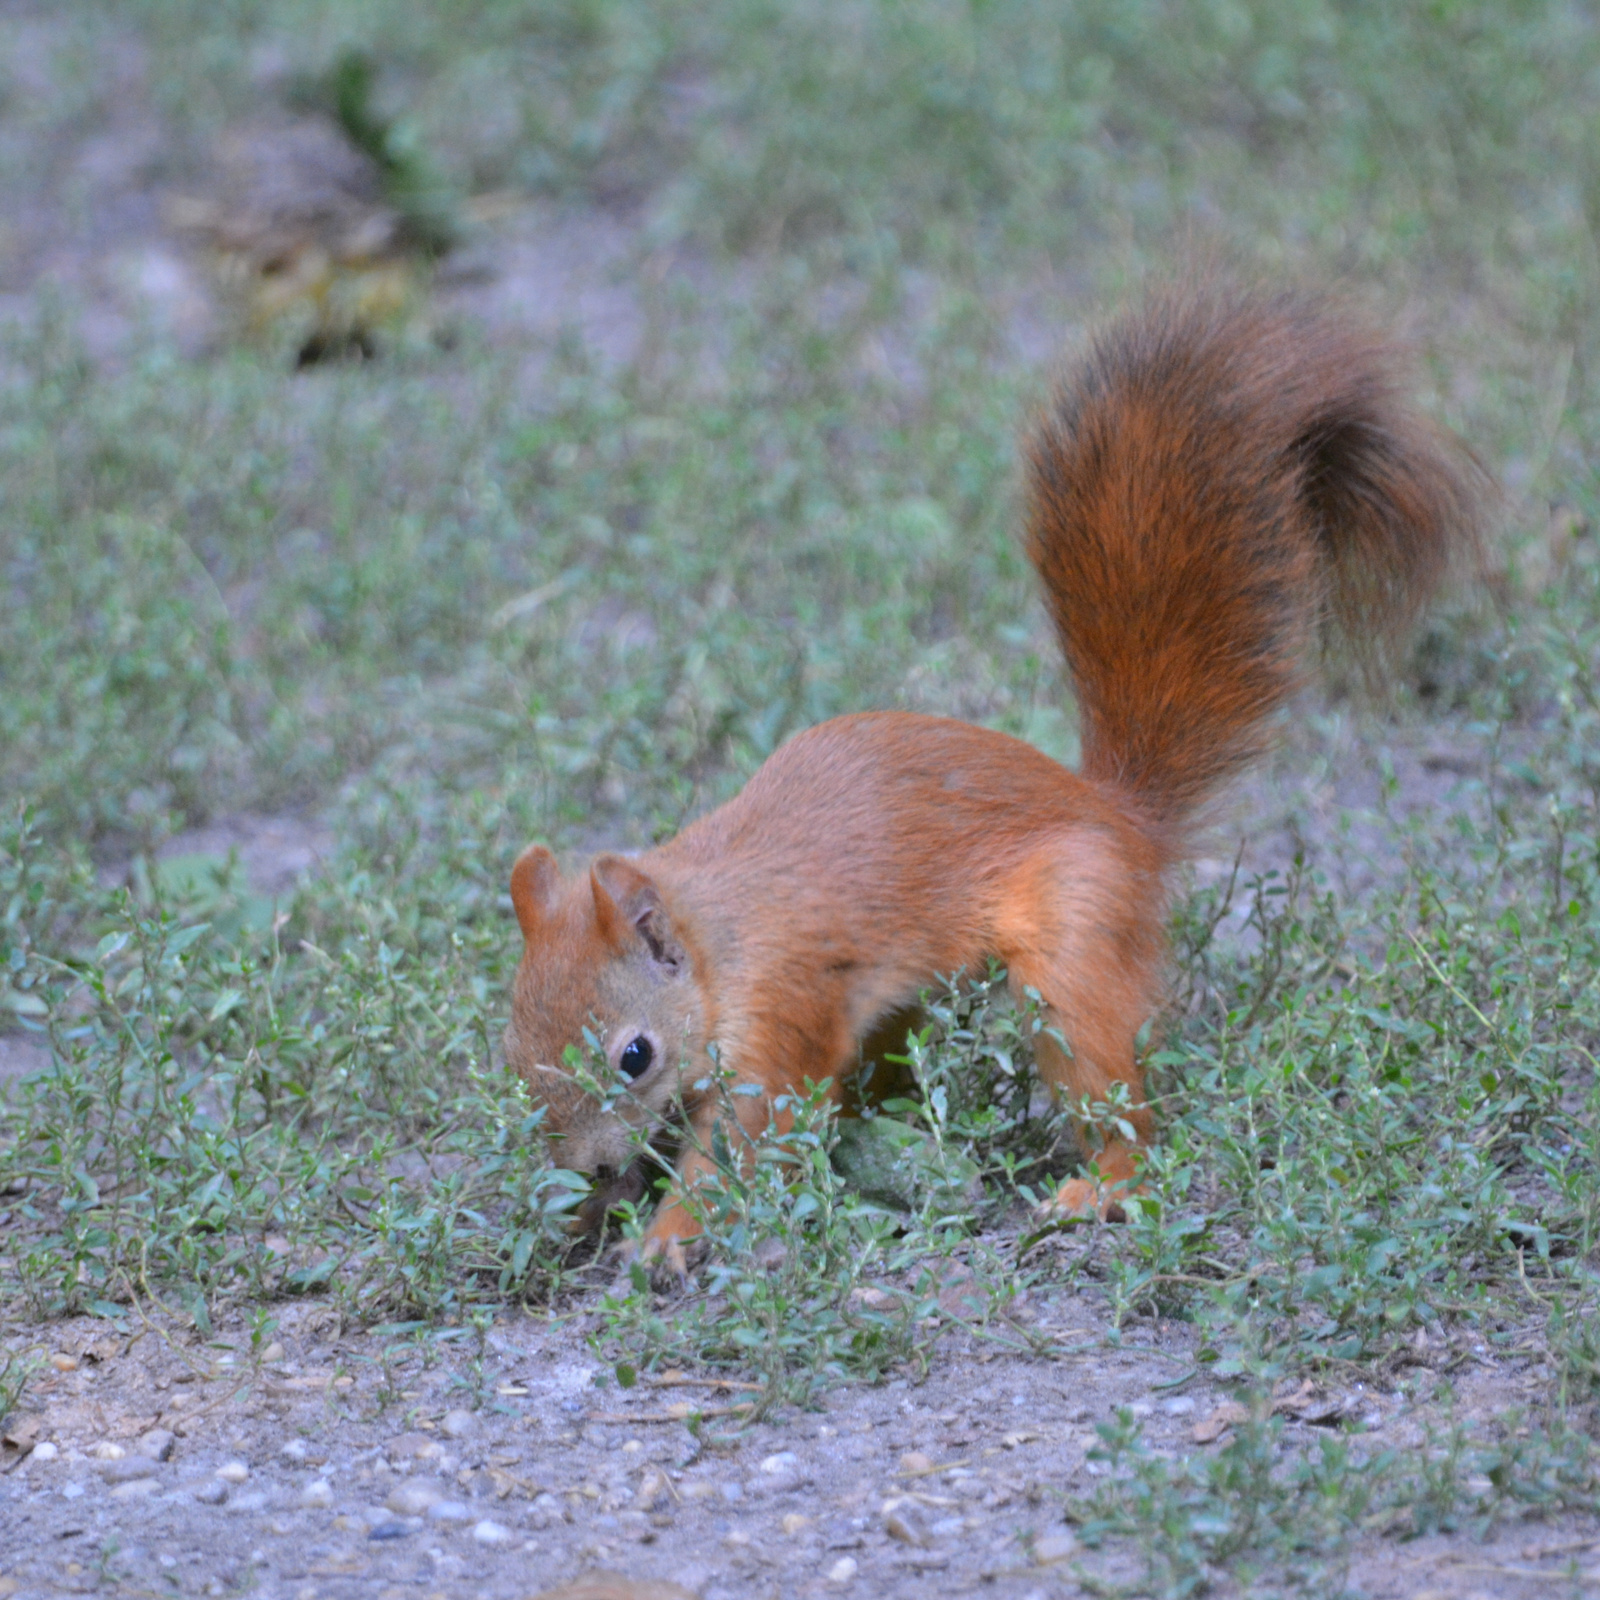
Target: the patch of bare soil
(151, 1461)
(275, 852)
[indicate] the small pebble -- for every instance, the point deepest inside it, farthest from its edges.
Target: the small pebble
(449, 1511)
(700, 1489)
(389, 1530)
(487, 1532)
(255, 1500)
(458, 1424)
(45, 1452)
(128, 1469)
(413, 1496)
(843, 1570)
(1179, 1405)
(62, 1362)
(414, 1447)
(134, 1489)
(1053, 1547)
(903, 1524)
(318, 1493)
(157, 1444)
(294, 1450)
(654, 1491)
(273, 1352)
(914, 1461)
(732, 1492)
(233, 1472)
(784, 1461)
(794, 1524)
(214, 1493)
(71, 1491)
(107, 1451)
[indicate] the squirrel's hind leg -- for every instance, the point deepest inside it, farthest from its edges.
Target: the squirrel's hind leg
(1083, 930)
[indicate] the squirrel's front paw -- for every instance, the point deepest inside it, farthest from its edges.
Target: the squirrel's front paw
(1082, 1197)
(663, 1256)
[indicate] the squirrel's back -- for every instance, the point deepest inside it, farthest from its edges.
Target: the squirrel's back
(1226, 472)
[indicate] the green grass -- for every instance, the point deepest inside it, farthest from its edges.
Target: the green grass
(452, 609)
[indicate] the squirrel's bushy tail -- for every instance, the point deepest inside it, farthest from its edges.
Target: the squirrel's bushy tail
(1225, 473)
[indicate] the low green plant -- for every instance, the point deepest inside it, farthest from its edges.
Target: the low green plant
(788, 1287)
(17, 1370)
(161, 1155)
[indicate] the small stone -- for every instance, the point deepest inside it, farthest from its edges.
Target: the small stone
(700, 1489)
(488, 1532)
(135, 1489)
(414, 1447)
(107, 1451)
(128, 1469)
(317, 1494)
(794, 1524)
(915, 1464)
(253, 1500)
(62, 1362)
(157, 1444)
(731, 1492)
(738, 1539)
(274, 1352)
(1180, 1405)
(412, 1497)
(71, 1491)
(1053, 1547)
(449, 1511)
(905, 1525)
(785, 1461)
(654, 1491)
(294, 1450)
(842, 1571)
(45, 1452)
(214, 1493)
(389, 1530)
(233, 1472)
(458, 1424)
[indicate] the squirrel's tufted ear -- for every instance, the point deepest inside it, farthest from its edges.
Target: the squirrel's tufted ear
(535, 880)
(627, 899)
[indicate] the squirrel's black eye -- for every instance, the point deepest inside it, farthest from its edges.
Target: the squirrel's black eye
(636, 1058)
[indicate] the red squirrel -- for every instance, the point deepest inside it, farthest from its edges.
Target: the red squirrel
(1227, 473)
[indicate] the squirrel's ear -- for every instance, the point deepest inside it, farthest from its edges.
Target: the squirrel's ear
(535, 880)
(626, 899)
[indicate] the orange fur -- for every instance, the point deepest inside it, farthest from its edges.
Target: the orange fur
(1226, 472)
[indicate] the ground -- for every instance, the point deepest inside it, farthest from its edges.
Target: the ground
(524, 455)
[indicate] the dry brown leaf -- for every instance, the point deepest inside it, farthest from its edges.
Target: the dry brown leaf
(18, 1441)
(1212, 1428)
(600, 1585)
